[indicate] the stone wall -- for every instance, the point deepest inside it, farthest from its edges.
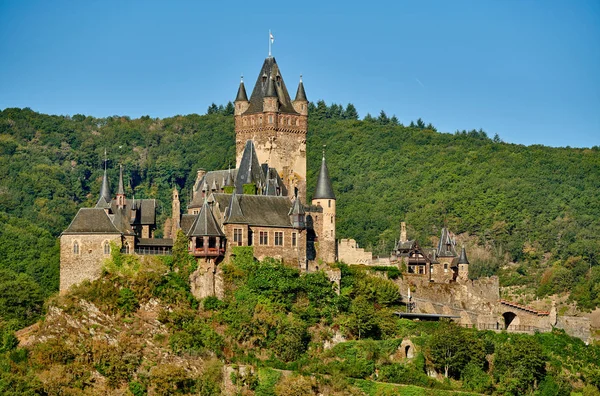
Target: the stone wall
(75, 268)
(575, 326)
(350, 253)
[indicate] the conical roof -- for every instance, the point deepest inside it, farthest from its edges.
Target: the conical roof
(234, 213)
(249, 170)
(121, 190)
(241, 94)
(105, 189)
(301, 93)
(324, 189)
(463, 257)
(270, 71)
(205, 223)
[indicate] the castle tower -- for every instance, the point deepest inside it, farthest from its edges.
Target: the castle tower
(175, 214)
(120, 198)
(276, 124)
(463, 266)
(325, 198)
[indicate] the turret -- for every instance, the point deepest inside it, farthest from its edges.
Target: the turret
(300, 103)
(241, 100)
(325, 198)
(463, 266)
(175, 214)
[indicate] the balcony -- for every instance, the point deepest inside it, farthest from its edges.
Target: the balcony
(208, 252)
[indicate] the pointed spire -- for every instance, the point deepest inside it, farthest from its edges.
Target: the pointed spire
(301, 93)
(463, 257)
(324, 189)
(105, 194)
(271, 93)
(121, 190)
(234, 213)
(214, 186)
(241, 94)
(229, 179)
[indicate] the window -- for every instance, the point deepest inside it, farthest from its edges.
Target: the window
(331, 219)
(270, 119)
(106, 247)
(75, 247)
(126, 247)
(329, 203)
(445, 267)
(263, 238)
(294, 239)
(278, 238)
(237, 236)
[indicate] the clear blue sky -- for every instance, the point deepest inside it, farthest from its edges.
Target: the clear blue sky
(527, 70)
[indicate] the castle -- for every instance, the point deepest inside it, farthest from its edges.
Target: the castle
(260, 203)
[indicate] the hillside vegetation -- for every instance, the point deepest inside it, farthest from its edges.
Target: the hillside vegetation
(534, 205)
(138, 330)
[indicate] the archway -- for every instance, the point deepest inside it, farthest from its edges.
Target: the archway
(409, 352)
(510, 319)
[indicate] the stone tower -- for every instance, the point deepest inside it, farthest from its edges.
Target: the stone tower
(175, 214)
(463, 266)
(276, 124)
(325, 198)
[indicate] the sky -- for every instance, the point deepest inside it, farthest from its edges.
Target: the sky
(528, 71)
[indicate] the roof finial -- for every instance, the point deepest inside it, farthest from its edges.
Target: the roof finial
(300, 77)
(105, 158)
(271, 39)
(242, 78)
(324, 146)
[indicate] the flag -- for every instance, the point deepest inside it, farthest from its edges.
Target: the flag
(271, 37)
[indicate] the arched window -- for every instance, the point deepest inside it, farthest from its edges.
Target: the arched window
(106, 247)
(126, 247)
(75, 247)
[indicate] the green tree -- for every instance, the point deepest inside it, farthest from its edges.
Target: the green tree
(451, 348)
(519, 365)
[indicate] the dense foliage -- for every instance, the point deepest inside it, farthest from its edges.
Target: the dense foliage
(536, 205)
(290, 331)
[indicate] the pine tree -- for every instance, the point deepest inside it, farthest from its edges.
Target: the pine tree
(383, 118)
(351, 113)
(212, 109)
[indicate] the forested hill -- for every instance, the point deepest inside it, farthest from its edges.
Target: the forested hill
(526, 201)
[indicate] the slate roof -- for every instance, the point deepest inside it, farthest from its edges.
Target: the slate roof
(324, 189)
(269, 71)
(187, 220)
(446, 245)
(208, 179)
(154, 242)
(241, 94)
(205, 223)
(105, 194)
(463, 257)
(234, 210)
(91, 221)
(301, 93)
(145, 214)
(258, 210)
(121, 190)
(249, 170)
(121, 221)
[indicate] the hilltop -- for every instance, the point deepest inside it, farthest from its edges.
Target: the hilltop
(532, 206)
(138, 330)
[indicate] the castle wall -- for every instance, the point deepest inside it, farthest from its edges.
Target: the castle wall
(349, 253)
(75, 268)
(575, 326)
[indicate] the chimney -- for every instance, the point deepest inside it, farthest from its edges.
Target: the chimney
(403, 232)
